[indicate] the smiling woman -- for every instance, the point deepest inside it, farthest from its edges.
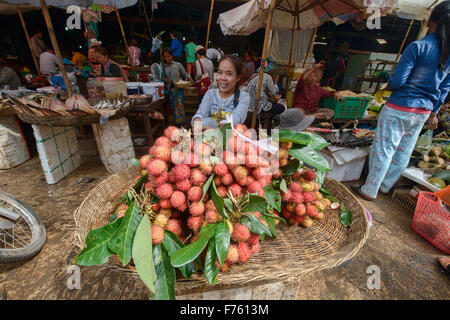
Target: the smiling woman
(227, 99)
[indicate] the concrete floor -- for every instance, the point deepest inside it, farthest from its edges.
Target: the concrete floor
(407, 263)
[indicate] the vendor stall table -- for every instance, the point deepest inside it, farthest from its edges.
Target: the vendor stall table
(147, 110)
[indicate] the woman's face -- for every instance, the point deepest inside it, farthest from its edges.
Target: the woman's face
(227, 77)
(168, 58)
(101, 58)
(247, 57)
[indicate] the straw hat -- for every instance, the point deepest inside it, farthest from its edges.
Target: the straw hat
(295, 120)
(198, 48)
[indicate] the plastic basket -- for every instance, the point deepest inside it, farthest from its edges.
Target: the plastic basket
(404, 199)
(432, 221)
(347, 108)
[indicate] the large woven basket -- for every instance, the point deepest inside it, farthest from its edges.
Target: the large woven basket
(294, 252)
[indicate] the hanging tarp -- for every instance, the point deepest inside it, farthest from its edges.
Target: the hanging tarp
(81, 3)
(280, 45)
(7, 8)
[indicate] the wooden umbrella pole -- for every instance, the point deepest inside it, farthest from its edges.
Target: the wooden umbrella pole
(291, 49)
(209, 24)
(123, 36)
(401, 47)
(19, 11)
(55, 46)
(263, 58)
(309, 47)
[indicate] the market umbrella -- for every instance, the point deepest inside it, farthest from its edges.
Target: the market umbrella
(119, 4)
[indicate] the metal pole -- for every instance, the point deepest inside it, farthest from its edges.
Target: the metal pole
(209, 24)
(51, 32)
(19, 11)
(263, 58)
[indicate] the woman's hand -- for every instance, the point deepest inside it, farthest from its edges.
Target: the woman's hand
(432, 122)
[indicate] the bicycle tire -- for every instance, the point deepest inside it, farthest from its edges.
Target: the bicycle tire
(37, 227)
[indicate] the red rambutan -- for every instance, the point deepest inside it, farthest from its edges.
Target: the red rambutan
(233, 254)
(181, 172)
(195, 194)
(183, 185)
(197, 178)
(195, 223)
(227, 179)
(156, 167)
(164, 191)
(220, 169)
(178, 199)
(244, 252)
(157, 234)
(197, 208)
(241, 233)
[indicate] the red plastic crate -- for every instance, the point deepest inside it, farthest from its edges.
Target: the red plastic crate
(432, 221)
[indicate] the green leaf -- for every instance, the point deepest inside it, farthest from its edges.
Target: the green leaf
(137, 187)
(224, 130)
(324, 191)
(207, 185)
(317, 142)
(122, 240)
(166, 277)
(309, 156)
(255, 225)
(96, 250)
(283, 186)
(268, 214)
(273, 198)
(192, 251)
(286, 135)
(211, 270)
(256, 204)
(172, 244)
(113, 217)
(271, 222)
(218, 201)
(228, 204)
(331, 198)
(222, 240)
(134, 162)
(320, 177)
(142, 253)
(346, 216)
(291, 167)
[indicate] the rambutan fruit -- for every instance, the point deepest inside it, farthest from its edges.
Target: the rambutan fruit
(286, 145)
(195, 194)
(300, 209)
(203, 150)
(307, 222)
(254, 239)
(210, 205)
(165, 203)
(249, 149)
(163, 141)
(212, 216)
(217, 181)
(227, 179)
(257, 173)
(309, 197)
(195, 223)
(172, 133)
(197, 178)
(197, 208)
(312, 211)
(148, 185)
(156, 207)
(295, 187)
(162, 152)
(263, 182)
(156, 167)
(229, 159)
(220, 169)
(183, 207)
(166, 212)
(222, 191)
(144, 161)
(309, 175)
(240, 172)
(261, 192)
(319, 205)
(234, 144)
(254, 187)
(319, 216)
(157, 234)
(192, 160)
(233, 254)
(183, 185)
(254, 249)
(251, 161)
(161, 220)
(286, 214)
(178, 199)
(284, 162)
(283, 154)
(286, 196)
(161, 179)
(225, 267)
(177, 156)
(296, 197)
(235, 190)
(296, 175)
(319, 196)
(241, 233)
(244, 252)
(240, 127)
(290, 206)
(206, 166)
(171, 178)
(174, 225)
(181, 172)
(293, 221)
(300, 219)
(278, 174)
(164, 191)
(306, 187)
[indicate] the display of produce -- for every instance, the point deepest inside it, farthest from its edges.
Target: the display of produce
(204, 204)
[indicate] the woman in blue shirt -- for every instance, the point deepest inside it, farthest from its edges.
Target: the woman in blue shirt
(419, 85)
(226, 99)
(176, 47)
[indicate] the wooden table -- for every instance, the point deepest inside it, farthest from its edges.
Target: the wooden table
(145, 109)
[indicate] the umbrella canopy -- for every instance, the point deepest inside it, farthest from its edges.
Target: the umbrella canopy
(82, 3)
(7, 8)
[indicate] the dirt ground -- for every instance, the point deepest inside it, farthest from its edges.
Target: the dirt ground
(407, 263)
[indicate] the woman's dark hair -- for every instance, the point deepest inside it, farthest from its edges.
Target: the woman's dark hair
(102, 51)
(168, 50)
(441, 16)
(201, 52)
(237, 64)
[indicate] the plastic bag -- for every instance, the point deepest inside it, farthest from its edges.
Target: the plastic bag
(423, 144)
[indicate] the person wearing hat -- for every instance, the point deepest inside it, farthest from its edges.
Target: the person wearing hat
(93, 44)
(269, 90)
(203, 65)
(294, 119)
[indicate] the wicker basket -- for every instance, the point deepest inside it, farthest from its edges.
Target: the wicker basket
(69, 121)
(183, 85)
(294, 252)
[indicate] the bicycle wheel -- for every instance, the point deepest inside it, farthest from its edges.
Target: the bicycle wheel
(23, 238)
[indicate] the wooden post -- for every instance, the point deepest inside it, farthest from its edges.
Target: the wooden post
(209, 25)
(124, 37)
(51, 32)
(290, 52)
(263, 58)
(401, 47)
(309, 46)
(19, 11)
